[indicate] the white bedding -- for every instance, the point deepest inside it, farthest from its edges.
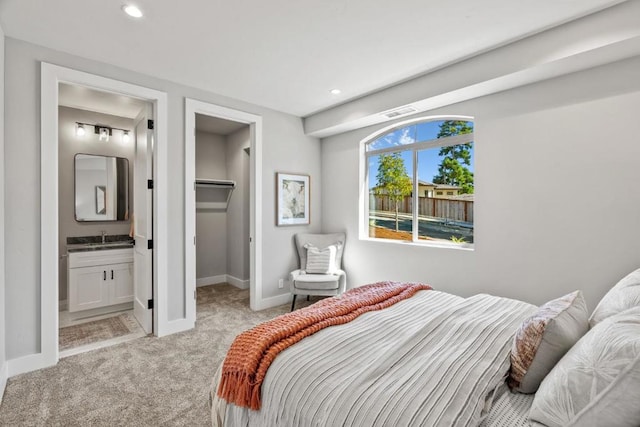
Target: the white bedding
(433, 359)
(509, 410)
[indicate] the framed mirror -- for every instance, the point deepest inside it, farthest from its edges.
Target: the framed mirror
(101, 188)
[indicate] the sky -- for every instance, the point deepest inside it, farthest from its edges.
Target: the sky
(428, 160)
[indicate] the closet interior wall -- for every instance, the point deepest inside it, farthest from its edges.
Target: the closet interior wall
(222, 235)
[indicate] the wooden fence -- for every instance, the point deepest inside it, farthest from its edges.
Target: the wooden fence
(455, 210)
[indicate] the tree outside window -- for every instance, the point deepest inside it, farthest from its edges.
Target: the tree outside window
(393, 180)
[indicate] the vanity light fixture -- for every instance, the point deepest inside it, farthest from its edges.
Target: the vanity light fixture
(104, 132)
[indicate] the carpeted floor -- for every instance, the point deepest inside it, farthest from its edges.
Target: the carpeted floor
(145, 382)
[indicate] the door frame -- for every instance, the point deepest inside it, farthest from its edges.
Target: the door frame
(51, 76)
(254, 121)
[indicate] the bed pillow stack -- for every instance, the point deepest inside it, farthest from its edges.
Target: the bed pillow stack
(597, 383)
(544, 338)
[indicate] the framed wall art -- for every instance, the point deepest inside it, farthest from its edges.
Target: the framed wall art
(293, 197)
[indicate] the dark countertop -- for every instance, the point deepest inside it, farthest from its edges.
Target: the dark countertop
(94, 243)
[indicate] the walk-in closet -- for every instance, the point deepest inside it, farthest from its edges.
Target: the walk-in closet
(222, 167)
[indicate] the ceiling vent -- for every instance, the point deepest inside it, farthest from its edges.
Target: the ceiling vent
(402, 111)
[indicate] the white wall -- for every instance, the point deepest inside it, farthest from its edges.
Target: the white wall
(293, 154)
(211, 225)
(238, 256)
(68, 146)
(3, 358)
(285, 148)
(557, 202)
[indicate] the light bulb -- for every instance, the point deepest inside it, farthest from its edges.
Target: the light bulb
(80, 130)
(132, 11)
(125, 137)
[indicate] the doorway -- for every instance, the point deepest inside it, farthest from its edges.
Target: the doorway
(208, 198)
(222, 202)
(104, 164)
(51, 76)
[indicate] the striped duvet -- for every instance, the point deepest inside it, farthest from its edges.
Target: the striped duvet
(431, 360)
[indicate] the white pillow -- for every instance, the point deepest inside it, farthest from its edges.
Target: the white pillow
(544, 338)
(321, 261)
(597, 383)
(625, 294)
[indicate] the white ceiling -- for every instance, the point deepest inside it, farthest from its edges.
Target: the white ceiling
(285, 54)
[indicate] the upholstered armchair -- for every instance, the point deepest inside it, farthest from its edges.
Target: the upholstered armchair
(320, 268)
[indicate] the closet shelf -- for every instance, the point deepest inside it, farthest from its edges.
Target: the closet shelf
(213, 194)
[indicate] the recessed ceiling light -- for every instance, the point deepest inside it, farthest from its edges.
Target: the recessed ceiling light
(335, 91)
(132, 11)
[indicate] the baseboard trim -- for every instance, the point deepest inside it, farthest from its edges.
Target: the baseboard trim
(211, 280)
(223, 278)
(238, 283)
(4, 376)
(31, 362)
(274, 301)
(100, 311)
(62, 305)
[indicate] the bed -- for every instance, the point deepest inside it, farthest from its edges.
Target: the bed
(433, 359)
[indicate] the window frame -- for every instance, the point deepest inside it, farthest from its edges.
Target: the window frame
(414, 147)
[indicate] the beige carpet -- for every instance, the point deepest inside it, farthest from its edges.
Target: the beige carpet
(145, 382)
(97, 330)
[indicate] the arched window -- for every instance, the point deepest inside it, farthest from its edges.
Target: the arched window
(419, 181)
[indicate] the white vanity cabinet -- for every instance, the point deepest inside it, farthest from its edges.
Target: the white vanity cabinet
(100, 278)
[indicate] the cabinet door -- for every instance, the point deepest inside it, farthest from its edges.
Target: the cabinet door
(88, 288)
(122, 283)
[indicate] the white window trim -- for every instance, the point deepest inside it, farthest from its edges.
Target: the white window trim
(363, 229)
(423, 145)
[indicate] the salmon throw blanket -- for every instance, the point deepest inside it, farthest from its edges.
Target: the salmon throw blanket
(253, 351)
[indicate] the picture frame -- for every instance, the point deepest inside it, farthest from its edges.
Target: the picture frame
(293, 199)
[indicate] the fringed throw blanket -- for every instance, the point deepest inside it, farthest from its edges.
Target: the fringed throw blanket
(253, 351)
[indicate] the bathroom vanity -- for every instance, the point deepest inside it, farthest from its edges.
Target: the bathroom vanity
(100, 274)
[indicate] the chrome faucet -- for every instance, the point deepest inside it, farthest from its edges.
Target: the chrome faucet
(104, 233)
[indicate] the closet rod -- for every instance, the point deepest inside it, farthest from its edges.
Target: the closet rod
(215, 183)
(207, 185)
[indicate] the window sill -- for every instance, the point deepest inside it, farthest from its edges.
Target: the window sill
(468, 247)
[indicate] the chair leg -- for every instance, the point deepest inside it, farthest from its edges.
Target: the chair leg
(293, 303)
(307, 297)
